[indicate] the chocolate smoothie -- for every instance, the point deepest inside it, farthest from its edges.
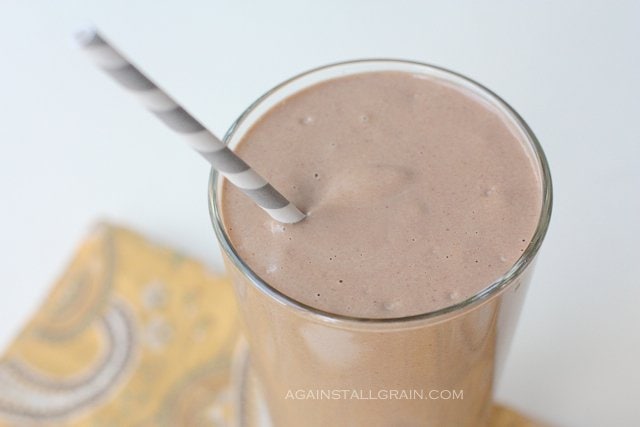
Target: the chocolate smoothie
(418, 195)
(421, 191)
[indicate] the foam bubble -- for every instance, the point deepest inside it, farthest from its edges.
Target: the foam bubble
(307, 120)
(392, 305)
(490, 191)
(276, 227)
(272, 268)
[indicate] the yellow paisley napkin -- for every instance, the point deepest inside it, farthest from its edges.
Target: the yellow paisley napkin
(133, 334)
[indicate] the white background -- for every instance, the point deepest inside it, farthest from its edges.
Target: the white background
(75, 149)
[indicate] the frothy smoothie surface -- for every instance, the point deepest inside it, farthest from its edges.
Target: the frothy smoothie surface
(419, 194)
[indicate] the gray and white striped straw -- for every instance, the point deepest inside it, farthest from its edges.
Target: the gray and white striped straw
(225, 161)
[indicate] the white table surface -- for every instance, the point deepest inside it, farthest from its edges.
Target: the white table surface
(76, 149)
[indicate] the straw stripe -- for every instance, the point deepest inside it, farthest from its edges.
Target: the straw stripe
(179, 120)
(105, 57)
(196, 135)
(203, 141)
(267, 197)
(155, 100)
(288, 215)
(248, 179)
(90, 38)
(226, 160)
(130, 78)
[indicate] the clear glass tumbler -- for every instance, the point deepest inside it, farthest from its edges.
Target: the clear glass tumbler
(434, 369)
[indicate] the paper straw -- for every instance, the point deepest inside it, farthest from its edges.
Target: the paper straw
(225, 161)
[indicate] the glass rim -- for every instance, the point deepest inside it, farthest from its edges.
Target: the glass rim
(493, 288)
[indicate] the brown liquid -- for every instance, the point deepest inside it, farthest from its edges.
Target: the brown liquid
(419, 195)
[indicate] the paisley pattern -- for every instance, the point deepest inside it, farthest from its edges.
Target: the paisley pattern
(30, 394)
(132, 334)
